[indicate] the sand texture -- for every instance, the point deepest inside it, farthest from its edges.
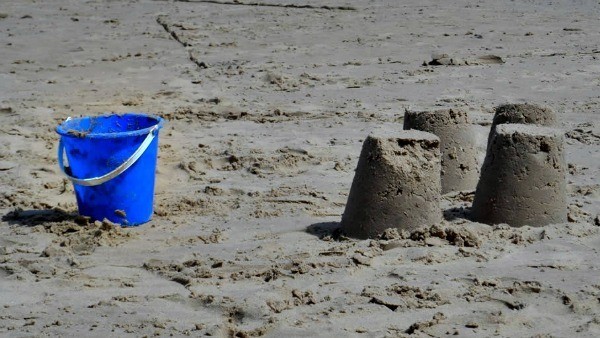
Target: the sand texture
(268, 104)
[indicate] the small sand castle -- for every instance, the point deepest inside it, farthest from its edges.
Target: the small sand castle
(399, 180)
(460, 170)
(522, 113)
(522, 178)
(396, 185)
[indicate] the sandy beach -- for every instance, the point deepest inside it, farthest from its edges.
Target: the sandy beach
(267, 105)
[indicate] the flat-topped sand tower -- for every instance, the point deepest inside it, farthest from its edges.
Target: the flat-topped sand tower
(460, 170)
(522, 113)
(396, 185)
(523, 177)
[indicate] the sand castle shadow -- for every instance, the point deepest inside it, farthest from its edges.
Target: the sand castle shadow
(325, 229)
(455, 213)
(36, 217)
(333, 230)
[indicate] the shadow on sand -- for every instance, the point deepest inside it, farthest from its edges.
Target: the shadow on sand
(37, 217)
(325, 229)
(453, 214)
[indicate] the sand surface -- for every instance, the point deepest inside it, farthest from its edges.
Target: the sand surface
(267, 109)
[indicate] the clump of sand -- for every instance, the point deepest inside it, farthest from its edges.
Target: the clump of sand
(72, 232)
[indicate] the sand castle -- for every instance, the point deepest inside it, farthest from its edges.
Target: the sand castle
(396, 185)
(460, 170)
(523, 177)
(399, 180)
(522, 113)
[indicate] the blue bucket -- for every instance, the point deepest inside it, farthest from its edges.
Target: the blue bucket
(112, 163)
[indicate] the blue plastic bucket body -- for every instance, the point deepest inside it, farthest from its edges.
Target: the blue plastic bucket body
(95, 146)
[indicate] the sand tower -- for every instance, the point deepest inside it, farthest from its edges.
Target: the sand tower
(460, 170)
(523, 177)
(396, 185)
(522, 113)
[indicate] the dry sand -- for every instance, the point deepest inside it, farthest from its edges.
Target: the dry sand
(267, 108)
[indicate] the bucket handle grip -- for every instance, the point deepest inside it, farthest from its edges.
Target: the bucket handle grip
(93, 181)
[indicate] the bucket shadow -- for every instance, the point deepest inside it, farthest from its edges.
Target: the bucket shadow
(322, 230)
(37, 217)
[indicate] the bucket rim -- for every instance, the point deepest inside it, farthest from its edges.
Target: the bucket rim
(62, 131)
